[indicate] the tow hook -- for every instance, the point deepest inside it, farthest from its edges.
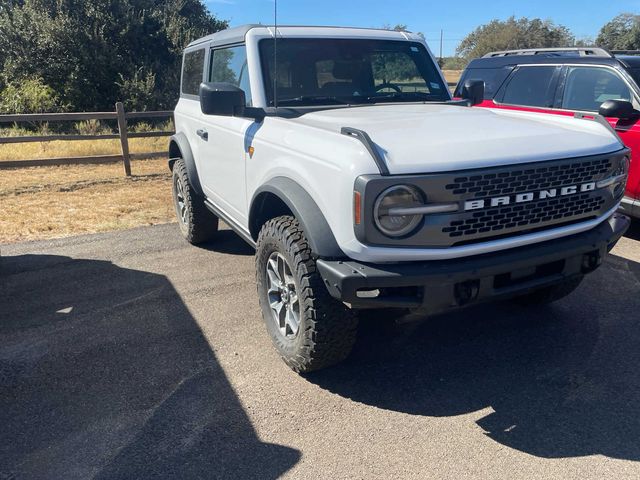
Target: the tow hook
(466, 292)
(591, 261)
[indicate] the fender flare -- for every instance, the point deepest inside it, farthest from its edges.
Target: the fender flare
(317, 230)
(181, 142)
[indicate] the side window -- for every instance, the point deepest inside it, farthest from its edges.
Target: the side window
(230, 65)
(493, 79)
(192, 70)
(530, 86)
(587, 87)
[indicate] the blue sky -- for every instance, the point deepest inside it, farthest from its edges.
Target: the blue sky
(456, 18)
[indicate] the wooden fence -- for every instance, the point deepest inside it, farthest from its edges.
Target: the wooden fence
(119, 115)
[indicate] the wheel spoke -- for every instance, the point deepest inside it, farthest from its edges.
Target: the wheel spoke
(293, 298)
(282, 318)
(281, 268)
(292, 320)
(180, 199)
(274, 282)
(280, 312)
(288, 280)
(272, 268)
(282, 296)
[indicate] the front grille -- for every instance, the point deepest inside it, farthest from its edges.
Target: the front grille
(529, 179)
(525, 215)
(488, 222)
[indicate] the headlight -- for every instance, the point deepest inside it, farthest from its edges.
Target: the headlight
(624, 165)
(398, 196)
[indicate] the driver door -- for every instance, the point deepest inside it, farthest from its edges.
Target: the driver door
(221, 143)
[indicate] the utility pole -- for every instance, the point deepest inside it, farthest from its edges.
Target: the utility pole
(440, 45)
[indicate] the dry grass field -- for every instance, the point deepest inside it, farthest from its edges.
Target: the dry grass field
(31, 151)
(58, 201)
(452, 75)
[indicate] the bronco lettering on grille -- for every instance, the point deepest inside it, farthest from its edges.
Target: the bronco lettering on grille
(528, 196)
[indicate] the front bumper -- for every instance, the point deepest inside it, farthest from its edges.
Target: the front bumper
(630, 206)
(435, 286)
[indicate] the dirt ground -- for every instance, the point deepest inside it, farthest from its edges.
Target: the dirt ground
(58, 201)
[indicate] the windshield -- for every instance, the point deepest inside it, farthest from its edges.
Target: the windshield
(336, 71)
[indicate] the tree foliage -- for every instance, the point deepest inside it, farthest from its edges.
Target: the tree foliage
(29, 96)
(390, 67)
(453, 63)
(94, 53)
(621, 33)
(514, 33)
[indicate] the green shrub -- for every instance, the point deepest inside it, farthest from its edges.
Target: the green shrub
(91, 127)
(28, 96)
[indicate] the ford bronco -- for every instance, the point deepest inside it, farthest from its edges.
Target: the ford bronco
(339, 155)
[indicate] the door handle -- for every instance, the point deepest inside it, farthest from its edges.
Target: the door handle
(202, 133)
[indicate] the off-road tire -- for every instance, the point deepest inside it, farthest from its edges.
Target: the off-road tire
(327, 328)
(550, 294)
(199, 224)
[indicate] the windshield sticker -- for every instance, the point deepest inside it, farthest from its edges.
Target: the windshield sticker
(435, 86)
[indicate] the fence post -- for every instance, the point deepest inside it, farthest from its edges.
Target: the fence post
(124, 140)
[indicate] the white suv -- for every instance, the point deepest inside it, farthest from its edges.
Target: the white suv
(339, 155)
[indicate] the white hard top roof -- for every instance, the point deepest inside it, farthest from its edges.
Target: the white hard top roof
(238, 34)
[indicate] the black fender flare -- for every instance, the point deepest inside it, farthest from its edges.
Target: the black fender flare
(317, 230)
(179, 141)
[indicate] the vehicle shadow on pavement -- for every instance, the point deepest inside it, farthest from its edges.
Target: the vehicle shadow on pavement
(105, 374)
(634, 230)
(555, 381)
(227, 241)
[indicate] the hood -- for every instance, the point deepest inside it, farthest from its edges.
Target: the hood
(431, 138)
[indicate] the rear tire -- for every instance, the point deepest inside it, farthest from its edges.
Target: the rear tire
(550, 294)
(197, 224)
(309, 328)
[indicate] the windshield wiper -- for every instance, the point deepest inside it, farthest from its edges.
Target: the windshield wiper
(316, 100)
(403, 96)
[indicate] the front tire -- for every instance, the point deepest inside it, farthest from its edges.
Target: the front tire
(197, 224)
(308, 327)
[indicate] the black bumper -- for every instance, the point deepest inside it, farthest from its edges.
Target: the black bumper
(435, 286)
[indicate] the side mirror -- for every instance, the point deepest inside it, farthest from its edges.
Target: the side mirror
(621, 109)
(221, 99)
(225, 99)
(473, 91)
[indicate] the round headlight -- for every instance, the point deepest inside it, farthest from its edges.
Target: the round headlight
(624, 165)
(398, 196)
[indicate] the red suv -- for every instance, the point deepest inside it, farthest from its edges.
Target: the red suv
(569, 81)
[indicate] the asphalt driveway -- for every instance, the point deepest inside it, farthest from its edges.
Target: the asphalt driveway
(135, 355)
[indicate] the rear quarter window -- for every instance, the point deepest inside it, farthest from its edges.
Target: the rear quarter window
(192, 71)
(493, 79)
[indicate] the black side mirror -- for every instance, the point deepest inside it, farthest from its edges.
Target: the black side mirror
(617, 109)
(473, 91)
(225, 99)
(221, 99)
